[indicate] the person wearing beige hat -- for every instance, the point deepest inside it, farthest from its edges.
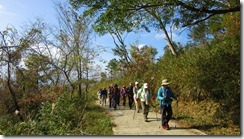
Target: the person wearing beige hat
(145, 98)
(165, 93)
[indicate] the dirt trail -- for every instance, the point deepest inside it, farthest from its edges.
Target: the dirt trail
(126, 125)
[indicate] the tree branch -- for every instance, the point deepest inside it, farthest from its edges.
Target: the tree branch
(198, 21)
(184, 5)
(204, 10)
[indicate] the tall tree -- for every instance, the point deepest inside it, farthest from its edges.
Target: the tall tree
(138, 14)
(127, 16)
(112, 68)
(74, 34)
(12, 48)
(142, 59)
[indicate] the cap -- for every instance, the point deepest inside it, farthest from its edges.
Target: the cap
(145, 85)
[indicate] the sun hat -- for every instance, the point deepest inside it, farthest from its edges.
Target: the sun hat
(165, 82)
(145, 85)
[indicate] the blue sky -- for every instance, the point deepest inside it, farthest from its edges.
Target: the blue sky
(19, 12)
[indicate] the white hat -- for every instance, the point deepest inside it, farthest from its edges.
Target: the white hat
(145, 85)
(165, 82)
(136, 82)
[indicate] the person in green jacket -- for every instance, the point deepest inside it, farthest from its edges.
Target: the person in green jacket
(145, 98)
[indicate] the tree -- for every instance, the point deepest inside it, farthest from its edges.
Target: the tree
(193, 12)
(37, 72)
(12, 48)
(103, 76)
(142, 60)
(127, 16)
(112, 68)
(73, 36)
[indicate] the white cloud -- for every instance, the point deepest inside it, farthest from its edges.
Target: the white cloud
(163, 36)
(5, 13)
(159, 36)
(140, 46)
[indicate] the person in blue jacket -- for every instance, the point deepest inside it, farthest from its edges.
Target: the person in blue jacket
(165, 95)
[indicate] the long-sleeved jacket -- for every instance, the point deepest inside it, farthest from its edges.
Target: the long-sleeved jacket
(144, 95)
(165, 95)
(135, 92)
(122, 91)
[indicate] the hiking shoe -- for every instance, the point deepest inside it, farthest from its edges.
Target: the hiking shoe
(167, 126)
(164, 127)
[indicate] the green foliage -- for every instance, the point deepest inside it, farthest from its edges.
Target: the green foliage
(62, 117)
(208, 73)
(97, 122)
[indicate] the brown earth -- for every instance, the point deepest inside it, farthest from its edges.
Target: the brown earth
(125, 124)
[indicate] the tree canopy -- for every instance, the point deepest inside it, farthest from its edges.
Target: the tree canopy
(127, 16)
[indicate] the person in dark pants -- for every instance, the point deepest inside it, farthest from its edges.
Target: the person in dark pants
(123, 94)
(130, 94)
(115, 96)
(165, 93)
(104, 94)
(110, 95)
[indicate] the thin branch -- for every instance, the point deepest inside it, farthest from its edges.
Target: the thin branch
(183, 5)
(198, 21)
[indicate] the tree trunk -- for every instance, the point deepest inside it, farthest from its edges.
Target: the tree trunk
(11, 90)
(170, 44)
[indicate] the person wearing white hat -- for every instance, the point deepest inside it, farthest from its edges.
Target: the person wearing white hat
(145, 97)
(135, 96)
(165, 93)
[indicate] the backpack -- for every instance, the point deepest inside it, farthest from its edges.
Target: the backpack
(140, 91)
(168, 92)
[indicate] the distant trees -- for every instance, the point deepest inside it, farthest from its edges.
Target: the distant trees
(46, 57)
(12, 49)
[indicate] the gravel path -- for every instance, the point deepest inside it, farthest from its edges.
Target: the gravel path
(126, 125)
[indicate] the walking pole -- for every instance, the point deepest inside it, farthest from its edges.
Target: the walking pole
(134, 113)
(176, 117)
(134, 110)
(156, 115)
(177, 108)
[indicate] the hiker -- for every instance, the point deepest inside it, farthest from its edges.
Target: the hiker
(99, 95)
(123, 94)
(130, 94)
(135, 96)
(115, 96)
(165, 95)
(110, 88)
(104, 94)
(145, 98)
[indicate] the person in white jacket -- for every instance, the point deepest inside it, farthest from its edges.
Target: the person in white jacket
(144, 96)
(135, 96)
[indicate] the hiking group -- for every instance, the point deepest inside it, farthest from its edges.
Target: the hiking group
(142, 98)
